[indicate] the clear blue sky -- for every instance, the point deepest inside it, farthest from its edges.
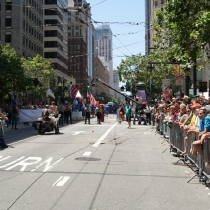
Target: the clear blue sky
(122, 11)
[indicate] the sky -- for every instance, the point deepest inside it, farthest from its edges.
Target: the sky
(123, 12)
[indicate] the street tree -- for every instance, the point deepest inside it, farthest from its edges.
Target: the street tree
(182, 30)
(12, 77)
(136, 69)
(41, 75)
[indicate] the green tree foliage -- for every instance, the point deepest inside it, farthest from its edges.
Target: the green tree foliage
(135, 69)
(12, 77)
(40, 74)
(182, 30)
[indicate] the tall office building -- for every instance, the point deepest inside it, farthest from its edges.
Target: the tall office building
(77, 42)
(103, 48)
(147, 26)
(56, 36)
(21, 26)
(80, 41)
(90, 41)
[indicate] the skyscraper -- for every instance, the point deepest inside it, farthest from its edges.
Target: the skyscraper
(103, 48)
(147, 26)
(56, 35)
(21, 26)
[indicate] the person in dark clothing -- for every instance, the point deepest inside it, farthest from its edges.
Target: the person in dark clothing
(87, 113)
(70, 113)
(67, 113)
(61, 112)
(98, 114)
(15, 111)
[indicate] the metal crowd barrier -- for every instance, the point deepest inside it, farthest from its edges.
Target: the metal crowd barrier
(206, 159)
(176, 140)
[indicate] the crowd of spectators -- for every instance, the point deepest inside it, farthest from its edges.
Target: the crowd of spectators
(191, 114)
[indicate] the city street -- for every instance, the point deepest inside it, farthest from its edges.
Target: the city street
(95, 167)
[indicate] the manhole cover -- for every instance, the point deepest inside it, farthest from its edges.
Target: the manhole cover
(87, 159)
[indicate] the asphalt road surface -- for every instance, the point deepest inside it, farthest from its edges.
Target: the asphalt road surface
(95, 167)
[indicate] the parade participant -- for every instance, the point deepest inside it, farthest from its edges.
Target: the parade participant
(54, 109)
(107, 110)
(122, 112)
(67, 113)
(98, 114)
(46, 113)
(2, 138)
(128, 111)
(61, 112)
(87, 113)
(93, 110)
(15, 111)
(102, 113)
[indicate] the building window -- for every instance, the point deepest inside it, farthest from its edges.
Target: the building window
(8, 5)
(8, 22)
(8, 37)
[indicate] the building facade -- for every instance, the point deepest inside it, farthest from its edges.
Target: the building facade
(77, 43)
(21, 26)
(103, 48)
(56, 36)
(100, 71)
(147, 26)
(116, 83)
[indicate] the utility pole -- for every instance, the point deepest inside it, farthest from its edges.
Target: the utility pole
(150, 67)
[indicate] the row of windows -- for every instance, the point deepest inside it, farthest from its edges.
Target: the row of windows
(8, 5)
(75, 47)
(34, 3)
(53, 44)
(28, 43)
(32, 16)
(32, 31)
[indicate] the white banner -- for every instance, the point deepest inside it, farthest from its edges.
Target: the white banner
(29, 115)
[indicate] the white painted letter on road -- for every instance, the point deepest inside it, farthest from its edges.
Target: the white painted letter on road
(24, 163)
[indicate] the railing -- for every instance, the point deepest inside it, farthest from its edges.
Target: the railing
(174, 135)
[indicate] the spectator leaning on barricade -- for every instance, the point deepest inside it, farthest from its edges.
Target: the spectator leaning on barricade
(204, 128)
(192, 127)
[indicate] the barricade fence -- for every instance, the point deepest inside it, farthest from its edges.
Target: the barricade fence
(181, 142)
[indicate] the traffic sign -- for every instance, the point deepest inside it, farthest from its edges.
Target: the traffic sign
(165, 84)
(202, 87)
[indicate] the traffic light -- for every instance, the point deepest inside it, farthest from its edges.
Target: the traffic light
(122, 88)
(128, 86)
(65, 89)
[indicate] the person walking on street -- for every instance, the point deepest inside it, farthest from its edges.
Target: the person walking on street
(67, 113)
(121, 112)
(2, 137)
(70, 112)
(128, 111)
(107, 110)
(87, 113)
(15, 111)
(98, 114)
(61, 112)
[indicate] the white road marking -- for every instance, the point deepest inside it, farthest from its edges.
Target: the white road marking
(87, 154)
(48, 166)
(8, 164)
(61, 181)
(4, 158)
(104, 135)
(77, 132)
